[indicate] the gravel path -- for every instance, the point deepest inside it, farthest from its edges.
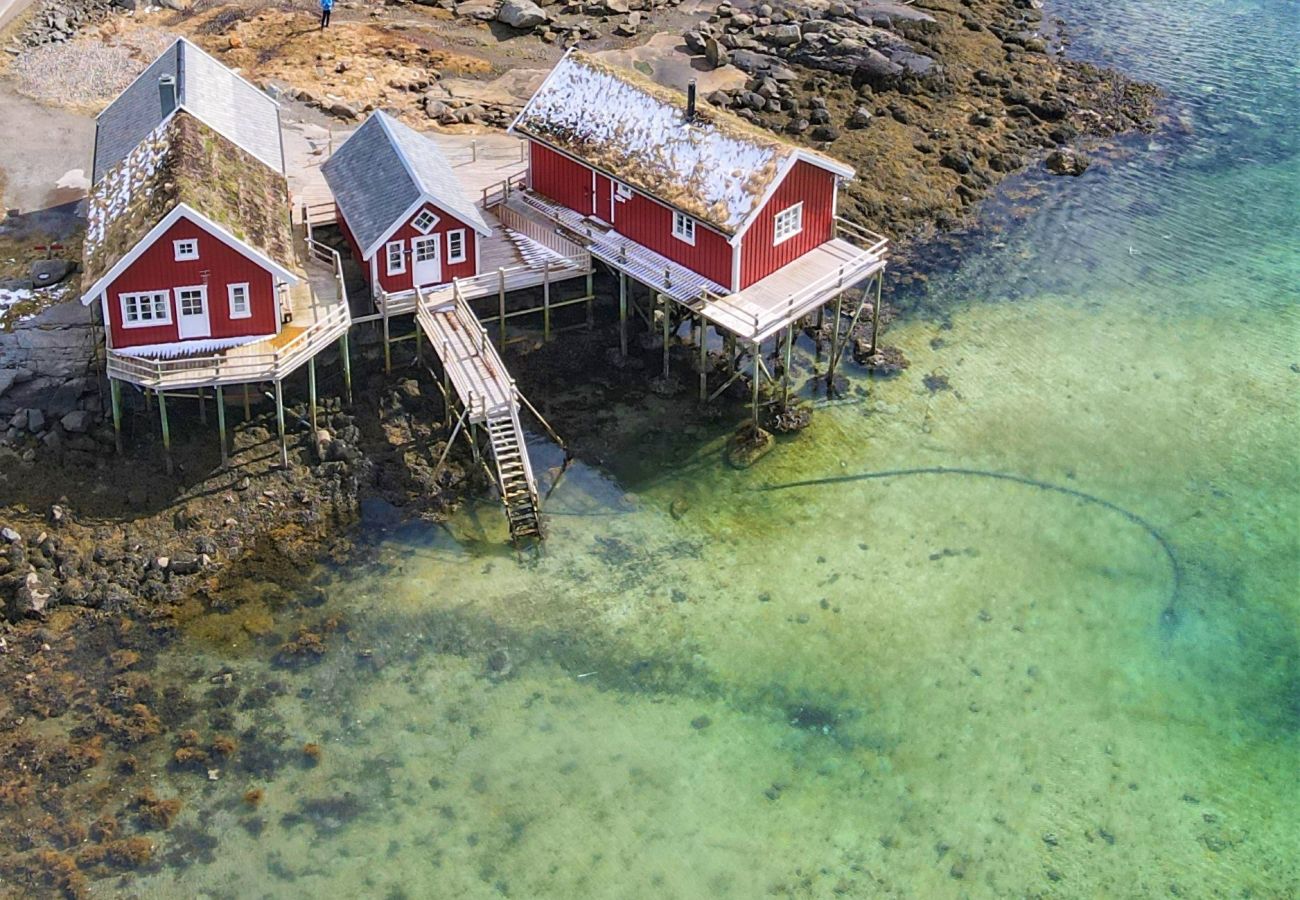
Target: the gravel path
(89, 71)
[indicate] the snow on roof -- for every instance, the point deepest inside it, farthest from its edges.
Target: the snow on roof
(717, 167)
(209, 90)
(385, 167)
(183, 161)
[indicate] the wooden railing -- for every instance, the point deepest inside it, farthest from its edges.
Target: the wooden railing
(538, 232)
(242, 365)
(875, 244)
(496, 194)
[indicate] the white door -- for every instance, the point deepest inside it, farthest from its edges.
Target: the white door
(426, 259)
(192, 312)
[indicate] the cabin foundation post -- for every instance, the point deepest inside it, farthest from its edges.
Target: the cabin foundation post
(279, 423)
(835, 340)
(667, 317)
(347, 368)
(473, 440)
(221, 426)
(419, 350)
(704, 362)
(115, 397)
(247, 411)
(311, 392)
(166, 431)
(446, 396)
(757, 362)
(388, 352)
(546, 303)
(203, 407)
(785, 374)
(501, 303)
(875, 313)
(622, 314)
(591, 301)
(730, 346)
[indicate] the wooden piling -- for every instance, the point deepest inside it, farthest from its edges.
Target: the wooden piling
(704, 361)
(279, 423)
(388, 353)
(546, 303)
(591, 301)
(622, 314)
(248, 414)
(311, 392)
(875, 314)
(835, 340)
(166, 430)
(115, 395)
(757, 354)
(347, 368)
(221, 426)
(501, 303)
(203, 407)
(666, 301)
(785, 375)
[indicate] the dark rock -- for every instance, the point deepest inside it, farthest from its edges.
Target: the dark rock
(45, 272)
(522, 14)
(78, 421)
(1066, 162)
(957, 160)
(826, 133)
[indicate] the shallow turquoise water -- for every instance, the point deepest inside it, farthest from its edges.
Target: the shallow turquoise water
(1082, 681)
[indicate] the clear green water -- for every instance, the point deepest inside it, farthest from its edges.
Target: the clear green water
(923, 685)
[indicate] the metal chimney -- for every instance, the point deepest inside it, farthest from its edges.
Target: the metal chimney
(167, 94)
(690, 101)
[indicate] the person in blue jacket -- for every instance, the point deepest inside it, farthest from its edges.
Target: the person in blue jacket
(325, 7)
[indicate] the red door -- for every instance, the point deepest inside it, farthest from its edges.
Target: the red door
(603, 207)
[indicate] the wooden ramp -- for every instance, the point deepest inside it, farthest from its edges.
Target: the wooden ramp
(489, 397)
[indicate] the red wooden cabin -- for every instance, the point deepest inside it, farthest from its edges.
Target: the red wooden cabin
(401, 208)
(696, 185)
(188, 244)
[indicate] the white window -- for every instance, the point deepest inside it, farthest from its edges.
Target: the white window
(683, 228)
(186, 249)
(424, 221)
(395, 253)
(789, 222)
(240, 307)
(622, 192)
(190, 300)
(145, 309)
(456, 246)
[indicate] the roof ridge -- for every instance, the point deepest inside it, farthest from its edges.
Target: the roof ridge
(384, 120)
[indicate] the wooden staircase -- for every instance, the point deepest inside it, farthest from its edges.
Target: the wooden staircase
(515, 475)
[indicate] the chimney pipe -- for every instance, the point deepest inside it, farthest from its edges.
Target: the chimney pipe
(690, 101)
(167, 94)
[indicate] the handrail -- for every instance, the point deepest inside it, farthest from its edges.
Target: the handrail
(538, 233)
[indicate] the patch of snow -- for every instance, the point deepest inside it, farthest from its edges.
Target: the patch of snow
(75, 179)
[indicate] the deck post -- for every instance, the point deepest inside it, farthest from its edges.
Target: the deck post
(666, 326)
(115, 396)
(221, 425)
(546, 302)
(875, 312)
(166, 431)
(835, 340)
(473, 440)
(622, 314)
(501, 302)
(347, 367)
(757, 354)
(311, 392)
(730, 347)
(785, 375)
(591, 301)
(388, 353)
(203, 407)
(279, 423)
(704, 361)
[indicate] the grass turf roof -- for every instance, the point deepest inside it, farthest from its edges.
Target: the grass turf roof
(717, 169)
(185, 161)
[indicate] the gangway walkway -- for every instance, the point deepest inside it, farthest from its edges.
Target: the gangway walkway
(489, 397)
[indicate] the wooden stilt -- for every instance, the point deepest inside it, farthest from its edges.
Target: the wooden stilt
(446, 396)
(757, 355)
(875, 314)
(388, 352)
(311, 391)
(347, 368)
(166, 430)
(546, 303)
(666, 302)
(203, 407)
(730, 346)
(622, 314)
(221, 426)
(704, 361)
(419, 338)
(501, 303)
(785, 375)
(279, 423)
(591, 302)
(835, 339)
(115, 396)
(148, 401)
(473, 440)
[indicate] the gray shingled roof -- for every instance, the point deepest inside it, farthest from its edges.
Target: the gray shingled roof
(212, 93)
(383, 169)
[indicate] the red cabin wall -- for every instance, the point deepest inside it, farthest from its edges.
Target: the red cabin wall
(395, 284)
(351, 239)
(156, 269)
(640, 218)
(816, 188)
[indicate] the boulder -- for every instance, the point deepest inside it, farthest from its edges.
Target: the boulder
(79, 421)
(45, 272)
(522, 14)
(35, 421)
(715, 53)
(780, 35)
(483, 10)
(1067, 162)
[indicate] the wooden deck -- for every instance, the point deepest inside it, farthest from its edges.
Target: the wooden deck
(473, 366)
(319, 308)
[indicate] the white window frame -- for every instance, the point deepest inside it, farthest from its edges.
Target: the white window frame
(458, 256)
(248, 300)
(622, 192)
(185, 249)
(395, 250)
(165, 305)
(683, 228)
(424, 229)
(782, 232)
